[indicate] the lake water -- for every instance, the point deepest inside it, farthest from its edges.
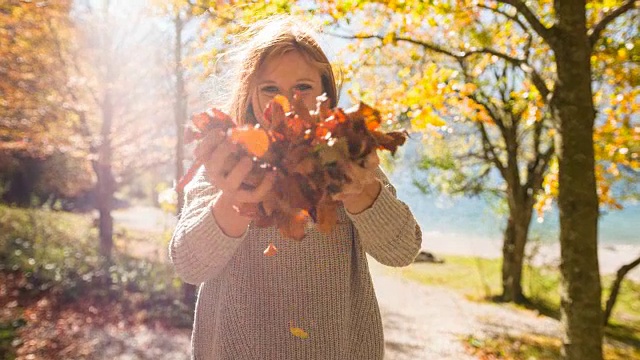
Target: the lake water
(475, 219)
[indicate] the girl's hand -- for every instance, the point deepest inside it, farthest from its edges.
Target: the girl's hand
(228, 171)
(364, 188)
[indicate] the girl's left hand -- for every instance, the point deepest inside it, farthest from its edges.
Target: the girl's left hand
(362, 191)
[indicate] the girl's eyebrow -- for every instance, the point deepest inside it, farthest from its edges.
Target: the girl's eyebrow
(265, 82)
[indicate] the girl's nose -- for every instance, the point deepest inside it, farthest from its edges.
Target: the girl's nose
(290, 95)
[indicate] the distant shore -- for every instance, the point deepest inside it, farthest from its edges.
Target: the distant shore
(611, 256)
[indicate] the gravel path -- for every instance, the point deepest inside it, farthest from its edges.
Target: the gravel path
(428, 322)
(420, 322)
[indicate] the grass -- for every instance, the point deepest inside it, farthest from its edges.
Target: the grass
(532, 347)
(56, 254)
(479, 279)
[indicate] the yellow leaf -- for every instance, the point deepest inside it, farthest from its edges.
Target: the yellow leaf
(424, 118)
(283, 101)
(623, 53)
(389, 38)
(298, 332)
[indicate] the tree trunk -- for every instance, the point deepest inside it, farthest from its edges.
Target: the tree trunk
(180, 116)
(577, 201)
(515, 239)
(105, 183)
(615, 288)
(180, 107)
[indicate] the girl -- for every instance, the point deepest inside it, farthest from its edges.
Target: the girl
(314, 299)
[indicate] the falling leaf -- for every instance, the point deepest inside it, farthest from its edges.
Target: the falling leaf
(271, 250)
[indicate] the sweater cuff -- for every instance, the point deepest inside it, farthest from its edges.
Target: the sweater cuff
(386, 207)
(209, 241)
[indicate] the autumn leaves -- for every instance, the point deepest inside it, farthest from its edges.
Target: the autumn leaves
(310, 152)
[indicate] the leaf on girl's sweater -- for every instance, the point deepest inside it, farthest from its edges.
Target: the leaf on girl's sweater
(299, 333)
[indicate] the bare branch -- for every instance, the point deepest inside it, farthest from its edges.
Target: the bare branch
(474, 185)
(537, 80)
(536, 171)
(510, 17)
(615, 287)
(489, 150)
(532, 19)
(596, 31)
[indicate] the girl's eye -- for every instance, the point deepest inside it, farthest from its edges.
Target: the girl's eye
(271, 89)
(303, 87)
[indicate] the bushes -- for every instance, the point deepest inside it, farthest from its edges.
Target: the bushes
(57, 253)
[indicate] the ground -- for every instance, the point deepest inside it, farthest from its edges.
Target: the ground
(421, 321)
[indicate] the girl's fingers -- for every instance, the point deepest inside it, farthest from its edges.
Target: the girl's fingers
(257, 194)
(219, 155)
(239, 172)
(207, 145)
(372, 161)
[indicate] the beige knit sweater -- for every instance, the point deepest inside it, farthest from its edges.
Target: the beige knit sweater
(251, 306)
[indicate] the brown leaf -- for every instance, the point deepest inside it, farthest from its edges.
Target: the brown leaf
(293, 226)
(365, 112)
(327, 214)
(390, 141)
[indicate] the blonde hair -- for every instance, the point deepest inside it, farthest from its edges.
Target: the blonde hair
(273, 37)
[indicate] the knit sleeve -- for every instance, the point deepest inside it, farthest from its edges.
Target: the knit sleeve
(388, 231)
(199, 249)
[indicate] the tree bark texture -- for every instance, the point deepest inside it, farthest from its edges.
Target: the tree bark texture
(573, 108)
(513, 248)
(180, 107)
(106, 183)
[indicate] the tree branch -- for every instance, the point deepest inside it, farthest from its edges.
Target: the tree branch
(489, 150)
(596, 31)
(532, 19)
(615, 288)
(537, 80)
(536, 171)
(513, 18)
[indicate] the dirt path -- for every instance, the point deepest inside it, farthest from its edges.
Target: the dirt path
(141, 343)
(428, 322)
(420, 322)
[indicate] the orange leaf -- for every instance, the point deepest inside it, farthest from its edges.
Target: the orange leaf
(201, 121)
(294, 225)
(254, 139)
(271, 250)
(370, 115)
(282, 101)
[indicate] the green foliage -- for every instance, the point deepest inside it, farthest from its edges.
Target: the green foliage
(7, 336)
(55, 251)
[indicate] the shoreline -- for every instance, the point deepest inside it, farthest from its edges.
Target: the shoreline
(610, 256)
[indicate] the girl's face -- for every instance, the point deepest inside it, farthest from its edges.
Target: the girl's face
(284, 75)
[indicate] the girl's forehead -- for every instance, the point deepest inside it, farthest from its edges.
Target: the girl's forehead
(289, 65)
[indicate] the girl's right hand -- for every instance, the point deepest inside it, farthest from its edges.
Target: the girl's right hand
(218, 152)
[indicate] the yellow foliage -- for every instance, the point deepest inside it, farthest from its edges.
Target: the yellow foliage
(425, 118)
